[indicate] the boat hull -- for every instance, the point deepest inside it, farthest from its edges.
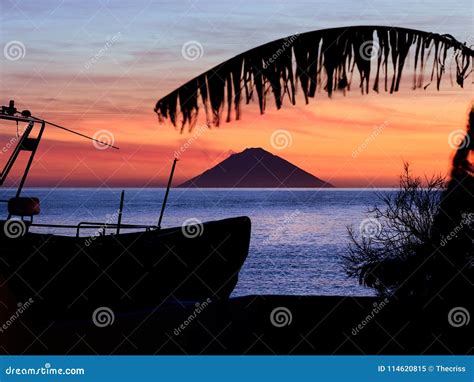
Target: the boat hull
(65, 275)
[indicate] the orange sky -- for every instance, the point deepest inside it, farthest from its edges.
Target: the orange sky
(73, 75)
(348, 141)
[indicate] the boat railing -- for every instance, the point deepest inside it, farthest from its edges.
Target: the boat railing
(101, 227)
(104, 226)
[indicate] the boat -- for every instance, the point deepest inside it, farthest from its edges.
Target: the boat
(121, 267)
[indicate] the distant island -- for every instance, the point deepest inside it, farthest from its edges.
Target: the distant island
(255, 168)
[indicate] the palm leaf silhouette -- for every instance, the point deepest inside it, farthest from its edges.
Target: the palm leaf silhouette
(322, 60)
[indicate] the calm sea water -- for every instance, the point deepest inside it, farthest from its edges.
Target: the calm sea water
(298, 236)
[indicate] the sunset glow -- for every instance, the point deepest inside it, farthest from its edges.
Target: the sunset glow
(106, 70)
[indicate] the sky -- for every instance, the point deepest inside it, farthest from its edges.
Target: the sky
(99, 67)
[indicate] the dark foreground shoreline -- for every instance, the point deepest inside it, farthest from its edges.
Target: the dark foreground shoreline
(263, 324)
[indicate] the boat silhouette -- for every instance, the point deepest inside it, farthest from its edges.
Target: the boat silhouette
(121, 266)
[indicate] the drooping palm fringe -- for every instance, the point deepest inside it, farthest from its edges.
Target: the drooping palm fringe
(319, 60)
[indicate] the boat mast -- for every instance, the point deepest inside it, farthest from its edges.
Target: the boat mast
(27, 143)
(167, 192)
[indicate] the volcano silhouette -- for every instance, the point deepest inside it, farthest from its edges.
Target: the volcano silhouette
(255, 168)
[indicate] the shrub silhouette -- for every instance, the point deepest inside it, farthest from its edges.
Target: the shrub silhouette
(385, 259)
(424, 244)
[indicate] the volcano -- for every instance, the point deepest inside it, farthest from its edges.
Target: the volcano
(255, 168)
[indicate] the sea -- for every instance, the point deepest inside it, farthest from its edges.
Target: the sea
(299, 236)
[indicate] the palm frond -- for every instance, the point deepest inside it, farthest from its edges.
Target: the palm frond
(322, 60)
